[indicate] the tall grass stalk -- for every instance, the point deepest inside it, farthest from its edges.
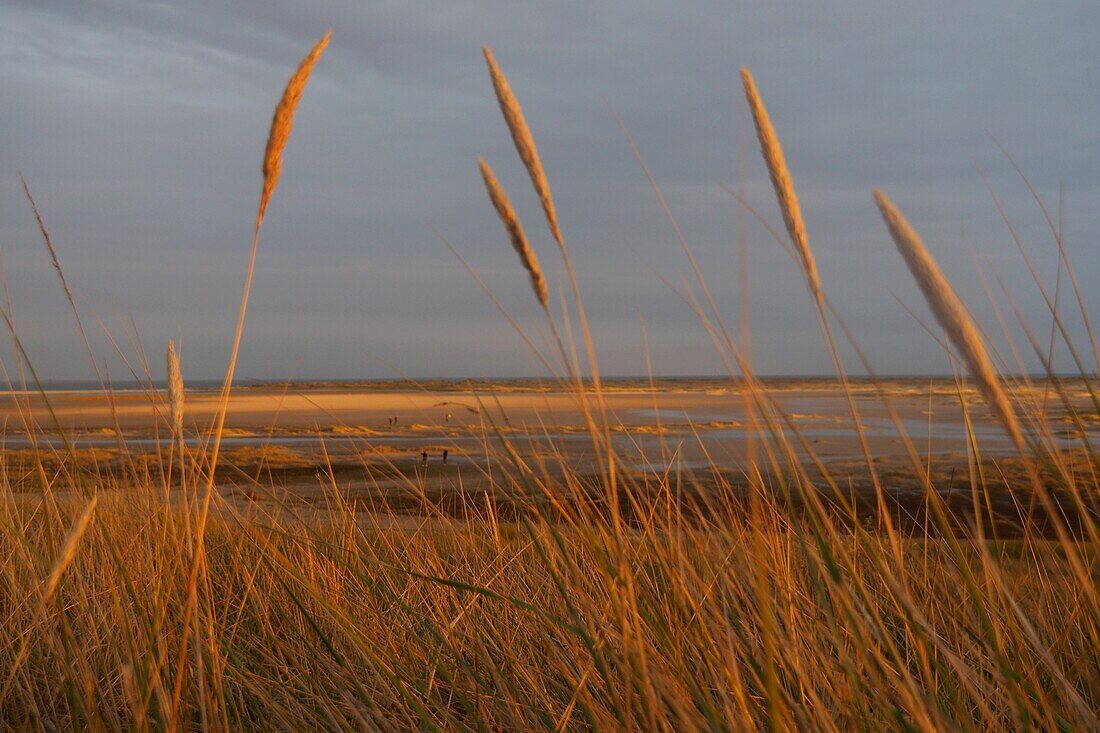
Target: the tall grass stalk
(538, 591)
(952, 316)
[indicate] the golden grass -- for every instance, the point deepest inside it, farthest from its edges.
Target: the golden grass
(336, 621)
(524, 141)
(283, 121)
(68, 549)
(782, 183)
(516, 236)
(556, 597)
(952, 316)
(277, 138)
(175, 389)
(49, 242)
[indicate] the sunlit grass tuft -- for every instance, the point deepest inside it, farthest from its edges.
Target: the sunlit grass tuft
(766, 594)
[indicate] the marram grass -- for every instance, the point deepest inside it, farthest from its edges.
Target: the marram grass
(782, 183)
(282, 122)
(690, 602)
(951, 314)
(515, 232)
(523, 140)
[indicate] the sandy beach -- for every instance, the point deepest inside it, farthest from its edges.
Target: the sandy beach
(689, 423)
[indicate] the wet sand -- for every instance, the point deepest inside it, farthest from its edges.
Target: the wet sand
(306, 441)
(681, 412)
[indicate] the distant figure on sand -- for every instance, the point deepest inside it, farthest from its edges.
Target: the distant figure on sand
(424, 458)
(444, 456)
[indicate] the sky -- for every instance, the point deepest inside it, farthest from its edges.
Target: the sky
(140, 128)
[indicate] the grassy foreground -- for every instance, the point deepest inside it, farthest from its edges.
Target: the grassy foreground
(142, 599)
(333, 624)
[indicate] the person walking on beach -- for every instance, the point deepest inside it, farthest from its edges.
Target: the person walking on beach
(424, 458)
(444, 456)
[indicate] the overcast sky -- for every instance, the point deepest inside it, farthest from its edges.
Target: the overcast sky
(140, 127)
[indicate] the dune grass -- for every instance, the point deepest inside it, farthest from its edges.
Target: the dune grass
(560, 600)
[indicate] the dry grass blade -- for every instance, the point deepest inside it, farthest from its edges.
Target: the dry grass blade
(781, 182)
(64, 558)
(560, 574)
(61, 275)
(952, 316)
(175, 389)
(515, 232)
(49, 241)
(528, 153)
(280, 132)
(68, 550)
(796, 230)
(524, 141)
(282, 122)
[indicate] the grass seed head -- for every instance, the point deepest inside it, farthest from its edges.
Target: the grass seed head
(68, 549)
(951, 314)
(524, 141)
(175, 389)
(782, 183)
(283, 120)
(515, 232)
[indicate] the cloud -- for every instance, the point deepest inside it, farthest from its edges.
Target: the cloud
(140, 127)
